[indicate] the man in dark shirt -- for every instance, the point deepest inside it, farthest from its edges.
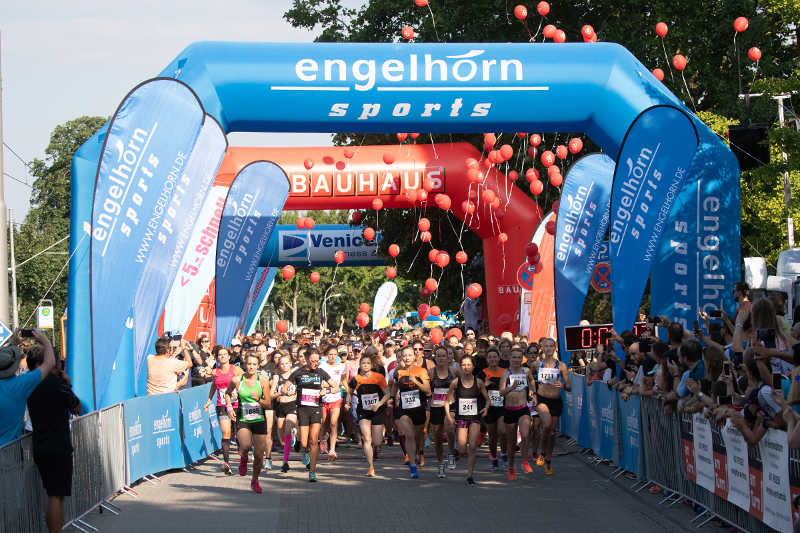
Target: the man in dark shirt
(49, 407)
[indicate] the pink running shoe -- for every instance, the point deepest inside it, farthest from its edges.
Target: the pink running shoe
(243, 466)
(255, 486)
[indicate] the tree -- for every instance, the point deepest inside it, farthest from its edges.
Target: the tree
(47, 222)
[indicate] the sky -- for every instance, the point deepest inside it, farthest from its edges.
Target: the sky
(62, 60)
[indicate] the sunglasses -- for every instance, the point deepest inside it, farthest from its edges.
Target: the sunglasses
(419, 349)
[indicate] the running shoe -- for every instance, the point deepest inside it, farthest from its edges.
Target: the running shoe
(413, 470)
(511, 474)
(332, 456)
(470, 481)
(421, 460)
(548, 468)
(442, 466)
(312, 477)
(306, 460)
(371, 472)
(285, 468)
(243, 466)
(295, 442)
(451, 461)
(540, 460)
(526, 466)
(255, 486)
(495, 465)
(504, 457)
(405, 459)
(268, 464)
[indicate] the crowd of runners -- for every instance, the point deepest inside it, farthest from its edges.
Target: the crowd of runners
(300, 393)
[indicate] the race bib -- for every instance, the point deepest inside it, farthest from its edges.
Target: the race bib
(309, 397)
(495, 398)
(368, 400)
(410, 399)
(549, 376)
(532, 409)
(251, 411)
(467, 406)
(520, 379)
(439, 397)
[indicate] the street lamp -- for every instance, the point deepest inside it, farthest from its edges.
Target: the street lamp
(325, 299)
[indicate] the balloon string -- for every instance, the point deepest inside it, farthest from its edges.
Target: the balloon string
(687, 91)
(541, 20)
(433, 145)
(433, 20)
(463, 289)
(755, 73)
(738, 62)
(666, 58)
(308, 248)
(413, 260)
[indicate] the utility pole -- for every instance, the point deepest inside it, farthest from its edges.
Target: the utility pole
(3, 222)
(13, 269)
(787, 192)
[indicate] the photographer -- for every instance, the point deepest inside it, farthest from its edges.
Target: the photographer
(164, 369)
(49, 407)
(15, 389)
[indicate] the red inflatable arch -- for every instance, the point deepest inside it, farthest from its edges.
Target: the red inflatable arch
(335, 181)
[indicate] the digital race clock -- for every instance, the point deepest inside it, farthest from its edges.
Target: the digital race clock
(588, 337)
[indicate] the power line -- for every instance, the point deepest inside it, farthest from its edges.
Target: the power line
(17, 180)
(26, 163)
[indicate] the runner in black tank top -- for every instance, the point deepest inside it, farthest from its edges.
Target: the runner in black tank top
(439, 425)
(550, 375)
(464, 393)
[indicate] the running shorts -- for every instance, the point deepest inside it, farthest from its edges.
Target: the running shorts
(307, 415)
(417, 416)
(256, 428)
(285, 408)
(494, 414)
(378, 418)
(554, 405)
(512, 416)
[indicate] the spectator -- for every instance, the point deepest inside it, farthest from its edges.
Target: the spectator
(163, 368)
(15, 389)
(691, 358)
(50, 406)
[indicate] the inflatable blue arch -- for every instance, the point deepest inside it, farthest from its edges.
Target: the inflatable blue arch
(599, 89)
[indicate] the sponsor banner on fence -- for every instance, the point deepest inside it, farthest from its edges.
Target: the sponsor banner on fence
(146, 148)
(703, 452)
(651, 167)
(736, 465)
(580, 228)
(756, 486)
(606, 403)
(573, 402)
(152, 425)
(720, 462)
(687, 447)
(775, 481)
(630, 432)
(253, 204)
(198, 440)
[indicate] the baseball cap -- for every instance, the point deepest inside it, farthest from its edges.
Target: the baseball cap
(358, 346)
(236, 342)
(10, 356)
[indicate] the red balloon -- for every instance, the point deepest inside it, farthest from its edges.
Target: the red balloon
(432, 255)
(555, 206)
(502, 238)
(287, 272)
(394, 250)
(471, 162)
(679, 62)
(550, 227)
(391, 272)
(468, 207)
(314, 277)
(549, 31)
(425, 292)
(435, 311)
(553, 170)
(587, 31)
(575, 145)
(659, 74)
(423, 311)
(442, 259)
(301, 222)
(348, 153)
(561, 151)
(474, 175)
(754, 53)
(543, 8)
(364, 307)
(421, 3)
(443, 201)
(539, 267)
(461, 257)
(369, 233)
(495, 203)
(556, 180)
(356, 217)
(413, 135)
(425, 236)
(308, 223)
(740, 24)
(488, 196)
(513, 175)
(377, 204)
(308, 163)
(506, 151)
(437, 335)
(282, 326)
(402, 136)
(339, 257)
(424, 224)
(422, 195)
(548, 158)
(413, 195)
(474, 290)
(407, 32)
(489, 139)
(560, 36)
(431, 284)
(531, 174)
(536, 187)
(521, 12)
(536, 139)
(662, 29)
(362, 319)
(388, 158)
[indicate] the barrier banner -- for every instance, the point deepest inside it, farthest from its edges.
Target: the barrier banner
(153, 434)
(606, 403)
(651, 166)
(703, 452)
(145, 150)
(738, 474)
(254, 203)
(794, 480)
(775, 485)
(699, 255)
(592, 415)
(720, 462)
(585, 424)
(256, 296)
(173, 227)
(264, 288)
(580, 228)
(216, 431)
(755, 474)
(301, 247)
(197, 265)
(384, 298)
(687, 447)
(630, 432)
(198, 442)
(570, 420)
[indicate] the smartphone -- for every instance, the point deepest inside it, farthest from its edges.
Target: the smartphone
(26, 333)
(177, 337)
(777, 381)
(696, 327)
(724, 400)
(715, 313)
(726, 368)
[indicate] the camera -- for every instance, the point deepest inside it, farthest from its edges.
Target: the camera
(26, 333)
(724, 400)
(715, 313)
(697, 328)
